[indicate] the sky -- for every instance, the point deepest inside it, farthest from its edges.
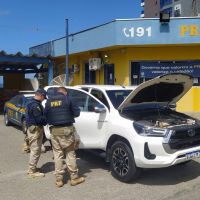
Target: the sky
(27, 23)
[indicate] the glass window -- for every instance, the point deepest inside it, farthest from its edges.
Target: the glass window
(13, 100)
(84, 101)
(196, 81)
(85, 89)
(1, 81)
(117, 96)
(16, 100)
(99, 95)
(79, 98)
(20, 100)
(177, 10)
(165, 3)
(92, 103)
(30, 76)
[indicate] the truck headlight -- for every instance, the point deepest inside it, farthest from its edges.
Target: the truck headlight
(149, 131)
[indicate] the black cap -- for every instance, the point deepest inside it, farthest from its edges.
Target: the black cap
(42, 92)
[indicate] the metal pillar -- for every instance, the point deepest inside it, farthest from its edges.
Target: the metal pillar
(50, 72)
(67, 55)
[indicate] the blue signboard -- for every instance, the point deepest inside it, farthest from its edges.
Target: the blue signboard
(153, 69)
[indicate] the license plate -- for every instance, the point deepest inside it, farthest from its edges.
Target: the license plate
(194, 154)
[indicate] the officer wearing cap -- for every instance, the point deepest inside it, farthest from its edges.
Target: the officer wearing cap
(60, 112)
(35, 120)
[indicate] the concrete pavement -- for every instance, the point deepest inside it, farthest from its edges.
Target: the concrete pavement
(174, 183)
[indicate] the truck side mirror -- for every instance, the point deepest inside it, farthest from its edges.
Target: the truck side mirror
(99, 108)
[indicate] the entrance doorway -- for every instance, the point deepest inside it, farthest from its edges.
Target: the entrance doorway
(109, 74)
(90, 76)
(135, 73)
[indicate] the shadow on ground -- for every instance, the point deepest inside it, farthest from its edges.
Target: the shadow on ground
(47, 167)
(86, 161)
(171, 175)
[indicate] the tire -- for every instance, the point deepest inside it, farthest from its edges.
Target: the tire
(6, 120)
(122, 162)
(24, 127)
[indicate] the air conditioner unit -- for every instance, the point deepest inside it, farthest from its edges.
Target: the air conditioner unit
(94, 64)
(75, 68)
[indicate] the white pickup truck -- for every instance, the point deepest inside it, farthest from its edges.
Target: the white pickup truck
(135, 126)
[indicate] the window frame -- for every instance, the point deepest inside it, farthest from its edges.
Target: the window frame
(88, 96)
(104, 97)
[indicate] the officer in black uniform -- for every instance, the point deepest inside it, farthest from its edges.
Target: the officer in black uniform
(35, 120)
(60, 111)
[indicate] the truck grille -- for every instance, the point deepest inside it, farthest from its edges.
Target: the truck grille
(185, 138)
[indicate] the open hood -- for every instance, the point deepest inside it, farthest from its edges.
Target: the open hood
(162, 89)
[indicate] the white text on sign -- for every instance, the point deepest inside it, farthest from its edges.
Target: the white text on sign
(137, 32)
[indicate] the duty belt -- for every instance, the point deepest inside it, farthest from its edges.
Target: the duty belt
(62, 125)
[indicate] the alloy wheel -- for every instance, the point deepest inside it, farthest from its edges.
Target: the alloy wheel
(120, 161)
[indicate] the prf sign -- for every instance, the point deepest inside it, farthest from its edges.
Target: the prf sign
(191, 30)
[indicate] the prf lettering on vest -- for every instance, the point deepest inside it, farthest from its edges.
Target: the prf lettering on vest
(56, 103)
(192, 30)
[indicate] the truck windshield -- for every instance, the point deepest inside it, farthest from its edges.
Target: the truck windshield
(117, 96)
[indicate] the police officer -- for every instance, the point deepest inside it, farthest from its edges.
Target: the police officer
(35, 120)
(60, 112)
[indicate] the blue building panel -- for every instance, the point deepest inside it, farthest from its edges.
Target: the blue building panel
(103, 36)
(59, 47)
(127, 32)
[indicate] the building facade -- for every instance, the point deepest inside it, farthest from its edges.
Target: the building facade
(150, 8)
(176, 8)
(130, 52)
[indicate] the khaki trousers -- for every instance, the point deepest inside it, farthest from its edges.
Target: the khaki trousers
(63, 141)
(35, 137)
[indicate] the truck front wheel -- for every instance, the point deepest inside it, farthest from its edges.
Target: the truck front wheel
(122, 162)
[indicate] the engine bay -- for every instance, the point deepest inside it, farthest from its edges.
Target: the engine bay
(160, 118)
(166, 123)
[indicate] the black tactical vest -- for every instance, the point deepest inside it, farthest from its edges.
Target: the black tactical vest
(59, 110)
